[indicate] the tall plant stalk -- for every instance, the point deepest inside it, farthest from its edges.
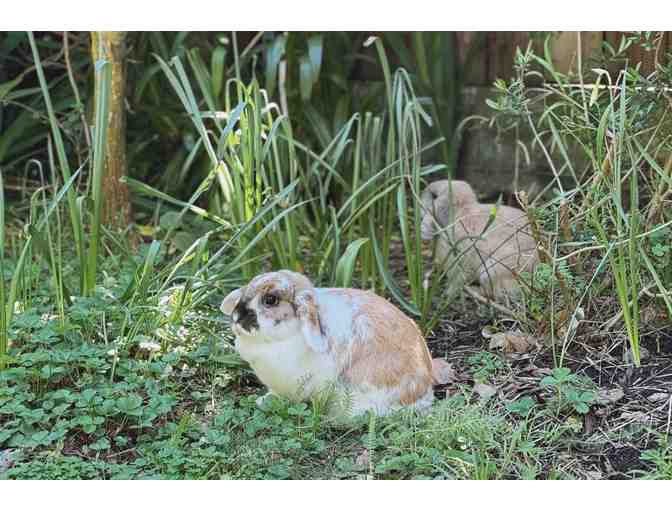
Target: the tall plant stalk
(4, 325)
(64, 165)
(103, 77)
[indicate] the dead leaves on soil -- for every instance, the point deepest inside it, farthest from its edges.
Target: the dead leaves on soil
(510, 341)
(629, 357)
(609, 396)
(659, 397)
(484, 391)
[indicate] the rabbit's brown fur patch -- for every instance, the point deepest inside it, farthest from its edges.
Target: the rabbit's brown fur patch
(395, 349)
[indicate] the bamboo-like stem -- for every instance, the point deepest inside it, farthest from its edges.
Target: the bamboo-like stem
(111, 46)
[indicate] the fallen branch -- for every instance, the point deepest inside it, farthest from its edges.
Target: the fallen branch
(479, 297)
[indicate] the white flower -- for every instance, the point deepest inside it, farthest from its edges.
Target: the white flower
(182, 333)
(18, 307)
(149, 345)
(171, 333)
(113, 353)
(180, 349)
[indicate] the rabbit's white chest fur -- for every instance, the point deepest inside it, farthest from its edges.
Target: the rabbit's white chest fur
(289, 368)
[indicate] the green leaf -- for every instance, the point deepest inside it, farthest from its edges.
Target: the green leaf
(492, 104)
(102, 444)
(141, 280)
(170, 220)
(387, 277)
(521, 406)
(203, 77)
(40, 437)
(217, 69)
(141, 187)
(581, 408)
(130, 404)
(549, 381)
(74, 211)
(103, 81)
(8, 86)
(231, 120)
(587, 396)
(561, 374)
(183, 240)
(346, 264)
(43, 247)
(315, 55)
(306, 79)
(273, 56)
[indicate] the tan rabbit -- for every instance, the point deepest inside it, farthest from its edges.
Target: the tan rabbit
(495, 256)
(302, 341)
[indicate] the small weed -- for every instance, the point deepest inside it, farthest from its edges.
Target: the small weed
(485, 365)
(570, 390)
(661, 458)
(522, 406)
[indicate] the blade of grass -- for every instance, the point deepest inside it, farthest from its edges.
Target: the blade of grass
(346, 264)
(103, 78)
(4, 324)
(75, 218)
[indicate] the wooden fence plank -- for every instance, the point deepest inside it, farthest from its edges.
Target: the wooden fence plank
(564, 50)
(501, 50)
(473, 46)
(636, 53)
(497, 57)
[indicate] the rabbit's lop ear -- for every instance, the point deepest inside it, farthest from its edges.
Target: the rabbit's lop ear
(435, 189)
(309, 317)
(429, 215)
(231, 301)
(427, 200)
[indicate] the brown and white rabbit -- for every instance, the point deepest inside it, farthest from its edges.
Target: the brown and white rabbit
(301, 341)
(494, 256)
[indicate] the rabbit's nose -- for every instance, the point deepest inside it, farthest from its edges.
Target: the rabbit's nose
(245, 317)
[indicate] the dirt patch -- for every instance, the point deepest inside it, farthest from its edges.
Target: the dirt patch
(611, 438)
(620, 462)
(658, 341)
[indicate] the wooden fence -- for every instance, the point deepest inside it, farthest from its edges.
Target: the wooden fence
(494, 58)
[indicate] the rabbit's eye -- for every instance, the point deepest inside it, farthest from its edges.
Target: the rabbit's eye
(270, 300)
